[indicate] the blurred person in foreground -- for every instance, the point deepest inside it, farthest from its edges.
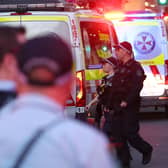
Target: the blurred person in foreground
(39, 135)
(9, 45)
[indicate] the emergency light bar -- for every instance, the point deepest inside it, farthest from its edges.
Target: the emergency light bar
(30, 1)
(33, 5)
(143, 15)
(130, 15)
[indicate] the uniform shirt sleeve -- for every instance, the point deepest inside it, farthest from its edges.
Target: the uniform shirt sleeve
(98, 113)
(137, 83)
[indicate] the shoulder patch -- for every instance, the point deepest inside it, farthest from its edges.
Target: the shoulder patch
(139, 72)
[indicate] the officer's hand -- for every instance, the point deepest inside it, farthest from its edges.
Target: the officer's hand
(106, 109)
(87, 107)
(123, 104)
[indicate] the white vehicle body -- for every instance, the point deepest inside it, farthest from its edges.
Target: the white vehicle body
(90, 37)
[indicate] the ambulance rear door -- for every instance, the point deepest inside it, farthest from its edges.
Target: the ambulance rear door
(40, 23)
(98, 36)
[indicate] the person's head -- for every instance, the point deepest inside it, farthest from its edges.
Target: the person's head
(8, 48)
(21, 34)
(109, 65)
(46, 64)
(123, 51)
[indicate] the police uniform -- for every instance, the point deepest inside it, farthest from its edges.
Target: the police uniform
(110, 98)
(100, 91)
(103, 92)
(131, 76)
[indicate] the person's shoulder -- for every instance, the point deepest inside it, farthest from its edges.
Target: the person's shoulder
(138, 69)
(137, 64)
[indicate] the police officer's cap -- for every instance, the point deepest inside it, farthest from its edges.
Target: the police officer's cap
(111, 60)
(125, 45)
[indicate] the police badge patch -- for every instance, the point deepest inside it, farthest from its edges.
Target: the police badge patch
(139, 73)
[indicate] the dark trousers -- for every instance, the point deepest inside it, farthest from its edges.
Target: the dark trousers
(124, 129)
(130, 129)
(138, 143)
(113, 131)
(130, 134)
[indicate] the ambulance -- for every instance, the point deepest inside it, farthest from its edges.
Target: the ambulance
(146, 32)
(89, 35)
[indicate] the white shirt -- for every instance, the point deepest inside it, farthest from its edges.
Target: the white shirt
(70, 144)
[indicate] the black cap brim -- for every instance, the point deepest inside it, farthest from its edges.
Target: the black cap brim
(103, 61)
(116, 46)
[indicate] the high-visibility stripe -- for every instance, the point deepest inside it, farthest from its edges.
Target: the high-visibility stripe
(88, 16)
(138, 23)
(44, 18)
(158, 60)
(94, 74)
(33, 18)
(9, 18)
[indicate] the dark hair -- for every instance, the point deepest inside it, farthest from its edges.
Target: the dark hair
(8, 41)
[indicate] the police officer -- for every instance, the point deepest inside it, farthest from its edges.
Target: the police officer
(109, 66)
(109, 98)
(131, 76)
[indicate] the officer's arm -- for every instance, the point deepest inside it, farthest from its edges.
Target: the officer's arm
(95, 100)
(98, 114)
(137, 84)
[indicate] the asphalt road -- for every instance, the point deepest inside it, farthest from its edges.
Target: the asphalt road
(156, 133)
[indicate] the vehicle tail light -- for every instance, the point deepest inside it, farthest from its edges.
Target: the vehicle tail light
(166, 70)
(80, 89)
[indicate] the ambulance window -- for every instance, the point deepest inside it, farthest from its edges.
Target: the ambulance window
(38, 28)
(96, 42)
